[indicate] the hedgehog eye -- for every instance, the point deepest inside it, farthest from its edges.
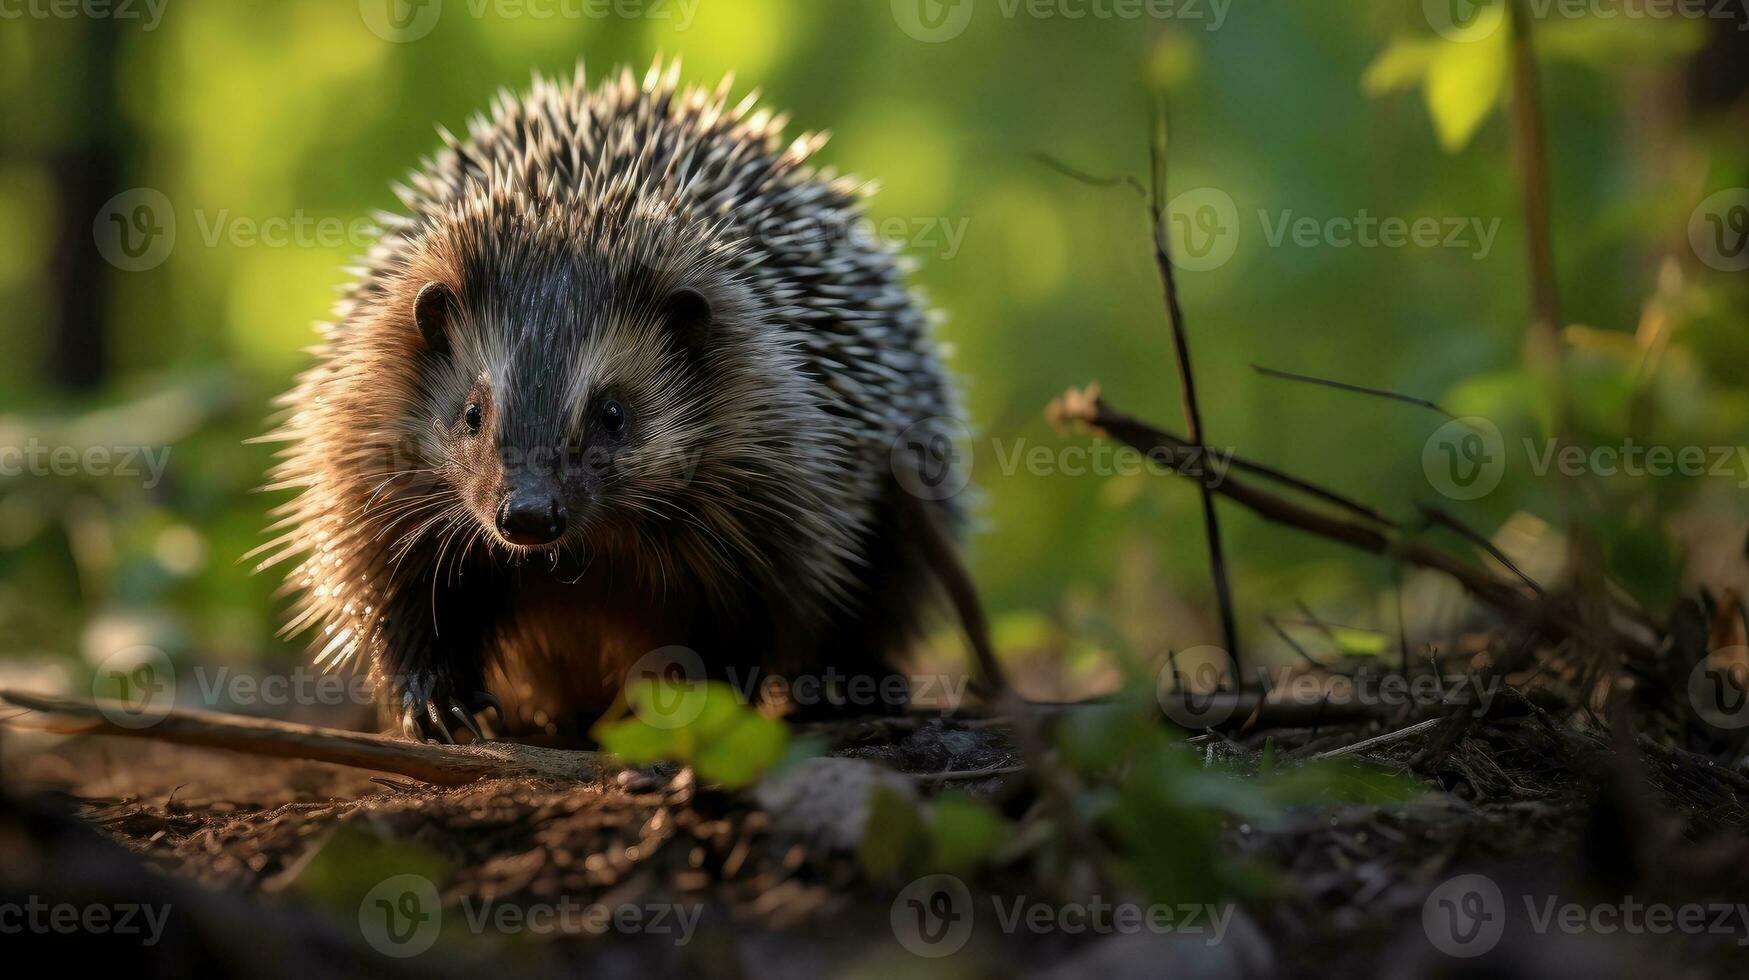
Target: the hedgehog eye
(613, 417)
(471, 418)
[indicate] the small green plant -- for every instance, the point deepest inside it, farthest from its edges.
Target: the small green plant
(704, 725)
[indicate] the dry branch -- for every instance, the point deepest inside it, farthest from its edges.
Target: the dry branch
(1187, 382)
(445, 765)
(1085, 407)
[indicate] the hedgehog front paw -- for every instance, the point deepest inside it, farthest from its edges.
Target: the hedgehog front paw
(431, 708)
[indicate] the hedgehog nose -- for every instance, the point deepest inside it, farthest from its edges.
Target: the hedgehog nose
(531, 520)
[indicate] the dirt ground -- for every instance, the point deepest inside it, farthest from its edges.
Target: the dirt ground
(263, 863)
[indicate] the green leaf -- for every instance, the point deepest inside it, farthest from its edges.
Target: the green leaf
(895, 835)
(1358, 642)
(705, 726)
(1465, 81)
(1399, 66)
(638, 742)
(963, 832)
(736, 757)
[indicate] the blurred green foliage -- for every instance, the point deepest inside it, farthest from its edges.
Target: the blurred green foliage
(707, 726)
(247, 113)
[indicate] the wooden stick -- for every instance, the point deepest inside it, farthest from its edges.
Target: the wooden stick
(1530, 144)
(1379, 740)
(1085, 407)
(444, 765)
(1187, 385)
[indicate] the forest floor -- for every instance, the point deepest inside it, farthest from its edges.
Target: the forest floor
(1556, 836)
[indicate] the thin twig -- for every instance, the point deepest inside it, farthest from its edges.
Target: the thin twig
(1530, 145)
(1121, 180)
(1376, 741)
(1187, 383)
(1270, 372)
(1325, 494)
(966, 775)
(1435, 515)
(1287, 638)
(1085, 407)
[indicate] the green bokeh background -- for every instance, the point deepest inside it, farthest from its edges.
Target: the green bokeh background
(244, 112)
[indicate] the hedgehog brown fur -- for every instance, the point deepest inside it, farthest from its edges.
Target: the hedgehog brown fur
(682, 362)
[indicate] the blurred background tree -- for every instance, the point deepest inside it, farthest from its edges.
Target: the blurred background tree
(181, 189)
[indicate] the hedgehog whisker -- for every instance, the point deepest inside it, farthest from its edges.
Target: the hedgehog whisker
(384, 485)
(410, 513)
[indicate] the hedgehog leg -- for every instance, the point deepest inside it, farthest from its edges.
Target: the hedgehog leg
(434, 702)
(870, 640)
(432, 666)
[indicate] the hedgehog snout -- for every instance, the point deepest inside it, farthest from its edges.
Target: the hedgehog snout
(532, 518)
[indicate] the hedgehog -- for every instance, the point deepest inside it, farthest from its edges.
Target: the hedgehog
(626, 377)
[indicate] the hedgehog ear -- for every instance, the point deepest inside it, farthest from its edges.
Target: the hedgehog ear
(431, 309)
(688, 314)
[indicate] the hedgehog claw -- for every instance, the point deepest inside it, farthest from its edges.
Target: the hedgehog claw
(485, 699)
(438, 724)
(410, 724)
(467, 720)
(431, 711)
